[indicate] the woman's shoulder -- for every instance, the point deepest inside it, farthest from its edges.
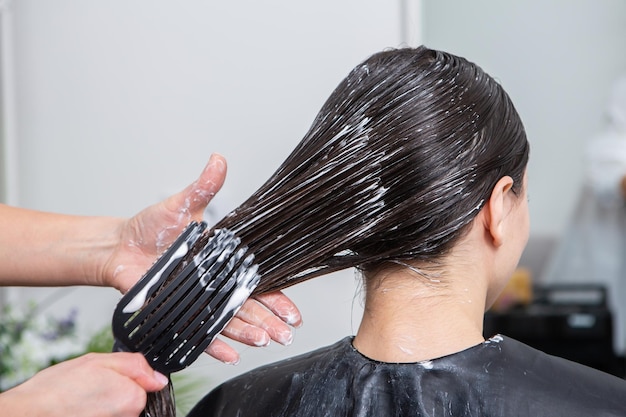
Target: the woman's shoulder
(540, 381)
(521, 358)
(271, 389)
(498, 377)
(313, 362)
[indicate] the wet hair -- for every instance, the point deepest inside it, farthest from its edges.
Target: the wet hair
(398, 162)
(400, 159)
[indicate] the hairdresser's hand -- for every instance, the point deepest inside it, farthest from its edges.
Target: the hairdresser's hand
(146, 235)
(264, 318)
(149, 233)
(94, 385)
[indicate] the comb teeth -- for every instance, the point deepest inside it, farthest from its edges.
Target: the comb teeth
(175, 311)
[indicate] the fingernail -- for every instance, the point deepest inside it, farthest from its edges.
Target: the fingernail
(162, 379)
(235, 362)
(216, 161)
(265, 341)
(292, 318)
(285, 338)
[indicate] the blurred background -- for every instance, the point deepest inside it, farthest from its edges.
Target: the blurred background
(108, 107)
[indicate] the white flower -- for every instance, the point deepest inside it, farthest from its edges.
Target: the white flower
(31, 343)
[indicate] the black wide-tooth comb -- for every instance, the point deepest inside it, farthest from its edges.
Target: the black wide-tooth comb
(185, 299)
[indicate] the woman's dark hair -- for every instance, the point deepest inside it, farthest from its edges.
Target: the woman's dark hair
(401, 157)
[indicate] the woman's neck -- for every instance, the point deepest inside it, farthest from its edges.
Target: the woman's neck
(408, 320)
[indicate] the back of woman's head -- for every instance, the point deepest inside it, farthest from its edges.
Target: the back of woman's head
(398, 162)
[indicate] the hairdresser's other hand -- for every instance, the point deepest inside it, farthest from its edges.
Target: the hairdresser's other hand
(261, 319)
(146, 235)
(94, 385)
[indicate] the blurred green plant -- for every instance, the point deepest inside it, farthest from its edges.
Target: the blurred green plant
(31, 341)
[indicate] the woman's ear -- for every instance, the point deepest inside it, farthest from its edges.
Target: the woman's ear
(496, 208)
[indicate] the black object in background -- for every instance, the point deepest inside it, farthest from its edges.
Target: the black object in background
(566, 320)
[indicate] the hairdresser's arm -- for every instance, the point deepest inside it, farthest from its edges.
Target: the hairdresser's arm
(47, 249)
(94, 385)
(51, 249)
(38, 248)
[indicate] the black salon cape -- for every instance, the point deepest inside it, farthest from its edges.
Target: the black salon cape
(501, 377)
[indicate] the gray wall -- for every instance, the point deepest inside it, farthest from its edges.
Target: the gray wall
(120, 103)
(3, 162)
